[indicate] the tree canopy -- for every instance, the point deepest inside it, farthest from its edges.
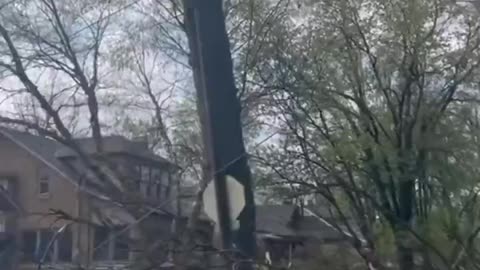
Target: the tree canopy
(368, 106)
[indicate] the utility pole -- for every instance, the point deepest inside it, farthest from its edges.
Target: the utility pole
(219, 110)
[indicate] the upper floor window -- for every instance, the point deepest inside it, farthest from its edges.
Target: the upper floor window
(44, 185)
(4, 184)
(150, 181)
(158, 192)
(166, 181)
(144, 180)
(3, 222)
(156, 183)
(145, 173)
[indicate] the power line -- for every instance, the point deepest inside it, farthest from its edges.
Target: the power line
(215, 173)
(140, 219)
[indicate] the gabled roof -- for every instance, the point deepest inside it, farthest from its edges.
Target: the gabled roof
(113, 145)
(285, 221)
(313, 227)
(42, 148)
(51, 152)
(279, 221)
(275, 219)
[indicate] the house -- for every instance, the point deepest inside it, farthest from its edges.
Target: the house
(293, 235)
(288, 234)
(41, 179)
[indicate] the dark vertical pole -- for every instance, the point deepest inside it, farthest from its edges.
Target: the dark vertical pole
(222, 130)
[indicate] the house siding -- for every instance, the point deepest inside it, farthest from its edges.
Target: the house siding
(27, 169)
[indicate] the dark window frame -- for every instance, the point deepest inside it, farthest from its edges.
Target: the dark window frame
(44, 181)
(40, 239)
(113, 249)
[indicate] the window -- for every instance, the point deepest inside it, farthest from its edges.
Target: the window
(145, 186)
(121, 249)
(38, 244)
(138, 178)
(101, 244)
(156, 184)
(153, 190)
(148, 190)
(166, 182)
(111, 244)
(159, 190)
(156, 175)
(4, 184)
(3, 222)
(149, 181)
(43, 185)
(145, 174)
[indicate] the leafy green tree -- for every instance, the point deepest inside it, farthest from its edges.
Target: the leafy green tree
(375, 100)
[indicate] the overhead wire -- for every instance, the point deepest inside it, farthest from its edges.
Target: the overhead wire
(152, 209)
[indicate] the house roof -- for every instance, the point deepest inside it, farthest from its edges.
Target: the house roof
(109, 213)
(275, 219)
(278, 221)
(313, 227)
(113, 145)
(285, 221)
(51, 153)
(42, 148)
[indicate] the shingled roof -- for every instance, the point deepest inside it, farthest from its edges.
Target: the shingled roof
(285, 221)
(275, 219)
(52, 153)
(113, 145)
(278, 221)
(42, 148)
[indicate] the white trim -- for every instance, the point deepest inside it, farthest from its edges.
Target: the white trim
(268, 236)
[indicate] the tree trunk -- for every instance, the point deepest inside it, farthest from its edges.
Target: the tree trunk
(405, 254)
(222, 130)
